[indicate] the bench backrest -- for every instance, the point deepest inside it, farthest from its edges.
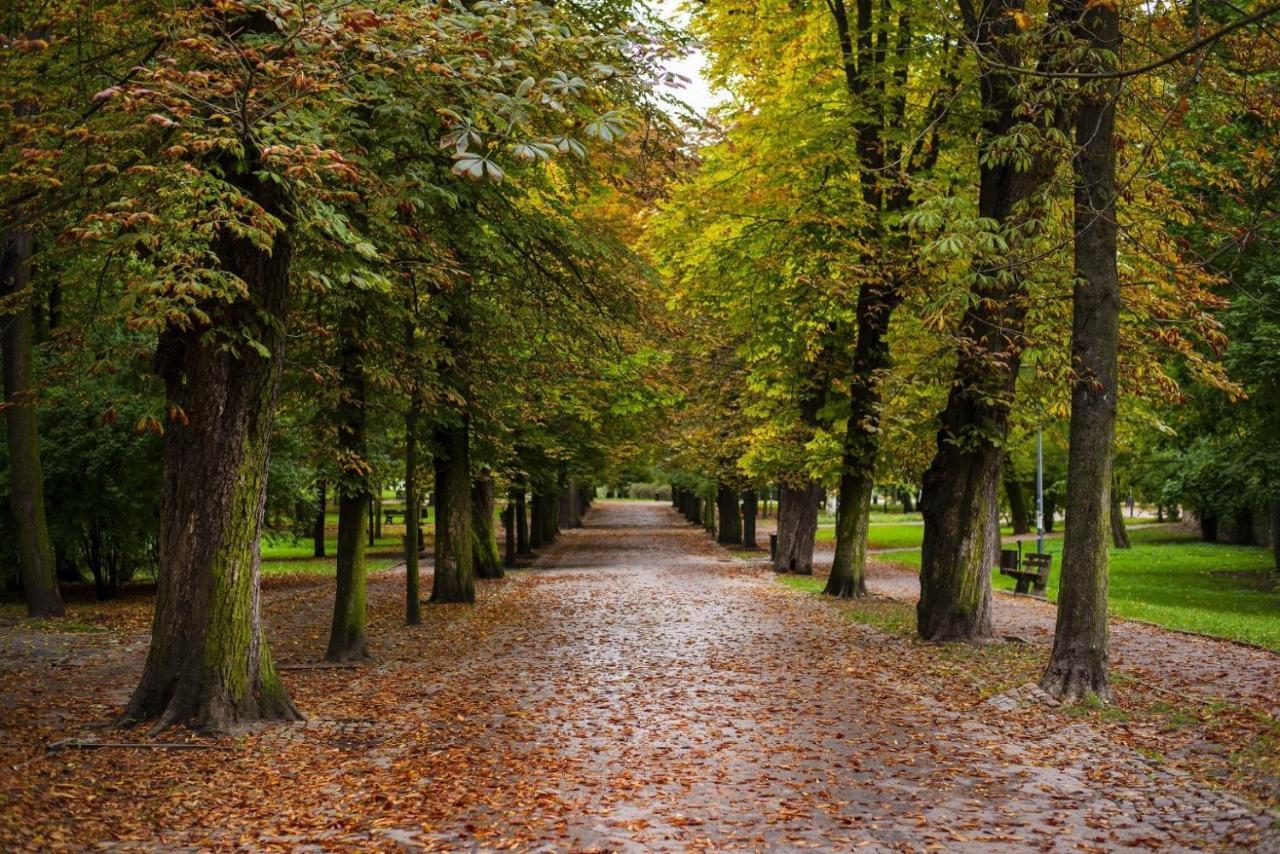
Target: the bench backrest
(1035, 560)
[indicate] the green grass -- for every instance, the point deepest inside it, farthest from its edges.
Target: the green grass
(286, 556)
(1172, 579)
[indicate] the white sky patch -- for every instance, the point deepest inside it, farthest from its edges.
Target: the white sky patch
(697, 94)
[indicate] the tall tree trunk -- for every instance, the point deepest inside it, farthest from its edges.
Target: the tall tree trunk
(1275, 534)
(848, 578)
(1018, 512)
(347, 640)
(523, 547)
(695, 508)
(961, 484)
(320, 525)
(1119, 533)
(26, 479)
(487, 560)
(1078, 663)
(709, 513)
(797, 527)
(454, 579)
(209, 664)
(537, 525)
(730, 518)
(509, 535)
(412, 508)
(858, 462)
(750, 510)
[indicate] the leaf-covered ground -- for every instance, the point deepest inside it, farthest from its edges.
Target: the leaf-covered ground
(639, 688)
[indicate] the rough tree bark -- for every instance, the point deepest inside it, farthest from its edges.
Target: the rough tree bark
(1018, 511)
(1119, 532)
(455, 577)
(960, 485)
(488, 561)
(209, 665)
(1275, 534)
(347, 641)
(523, 547)
(26, 479)
(1079, 661)
(730, 518)
(318, 527)
(537, 509)
(412, 508)
(750, 510)
(797, 527)
(857, 474)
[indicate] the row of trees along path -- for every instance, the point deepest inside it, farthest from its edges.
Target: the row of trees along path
(639, 688)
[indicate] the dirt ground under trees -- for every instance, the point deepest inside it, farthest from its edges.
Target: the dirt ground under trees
(640, 688)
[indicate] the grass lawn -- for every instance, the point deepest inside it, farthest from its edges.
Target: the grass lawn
(1173, 579)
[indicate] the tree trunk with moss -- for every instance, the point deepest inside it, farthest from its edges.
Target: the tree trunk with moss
(961, 484)
(37, 567)
(1080, 658)
(347, 640)
(487, 559)
(209, 665)
(797, 527)
(730, 516)
(848, 578)
(455, 575)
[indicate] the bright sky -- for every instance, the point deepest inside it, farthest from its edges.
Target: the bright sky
(697, 94)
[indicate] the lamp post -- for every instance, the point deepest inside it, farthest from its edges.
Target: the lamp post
(1039, 491)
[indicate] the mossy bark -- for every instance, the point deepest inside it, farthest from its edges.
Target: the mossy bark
(37, 567)
(209, 665)
(961, 484)
(488, 562)
(454, 579)
(1079, 662)
(848, 578)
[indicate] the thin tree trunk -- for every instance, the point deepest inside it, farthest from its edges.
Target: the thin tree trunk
(412, 508)
(488, 562)
(1119, 533)
(537, 526)
(320, 525)
(730, 517)
(509, 532)
(1275, 534)
(454, 579)
(347, 640)
(209, 664)
(797, 527)
(750, 510)
(1018, 511)
(523, 547)
(26, 478)
(858, 462)
(1079, 661)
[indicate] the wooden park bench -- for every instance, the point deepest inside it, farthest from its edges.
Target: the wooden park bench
(1030, 571)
